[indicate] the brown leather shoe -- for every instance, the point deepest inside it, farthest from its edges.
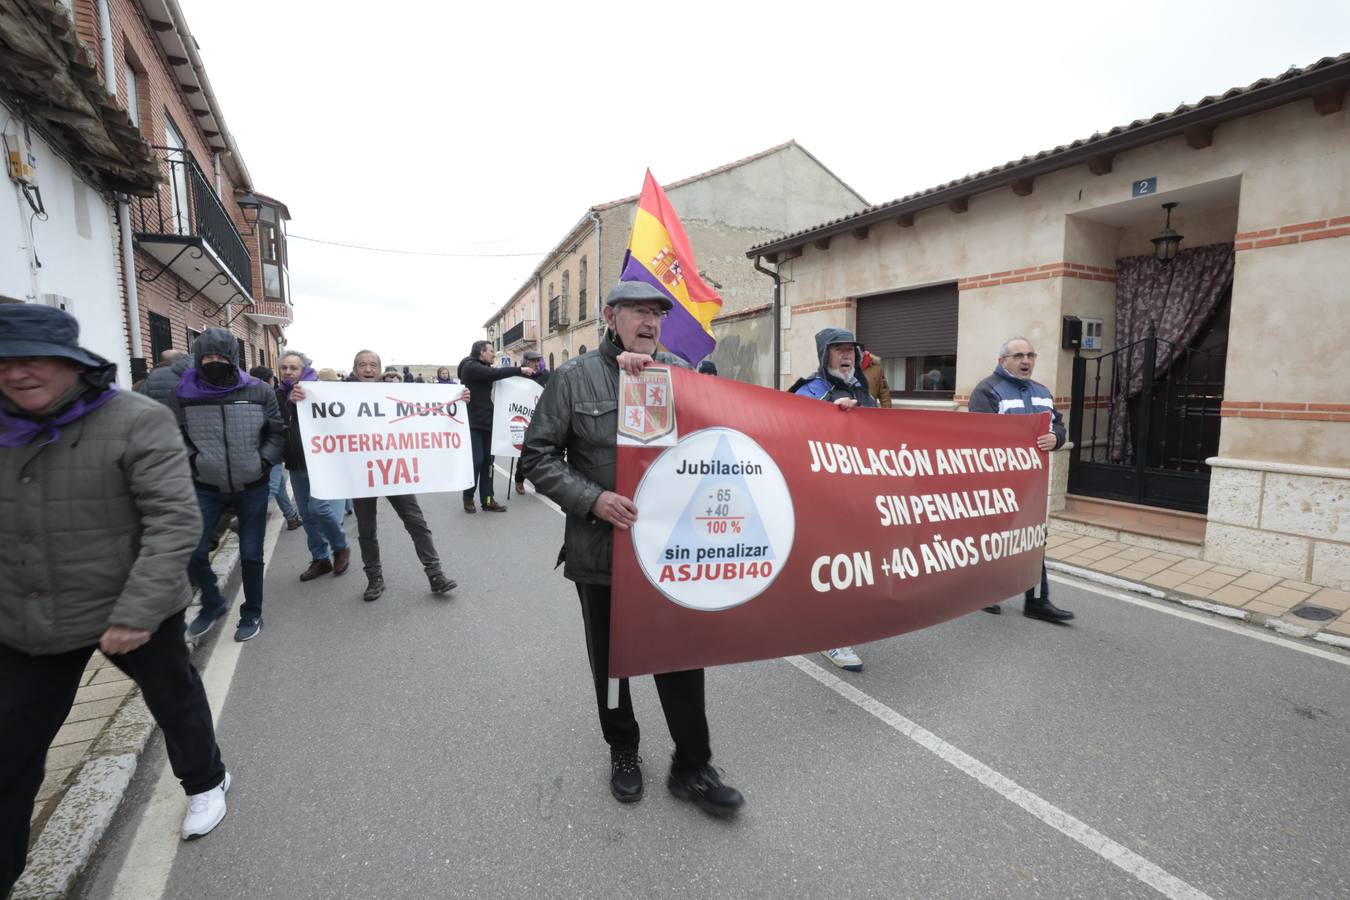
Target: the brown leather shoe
(341, 560)
(469, 507)
(316, 568)
(491, 505)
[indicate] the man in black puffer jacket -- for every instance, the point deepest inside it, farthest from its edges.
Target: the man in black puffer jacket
(478, 374)
(235, 435)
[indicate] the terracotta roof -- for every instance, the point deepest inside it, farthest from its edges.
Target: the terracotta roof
(1329, 73)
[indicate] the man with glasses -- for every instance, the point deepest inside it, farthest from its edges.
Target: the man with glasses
(1010, 390)
(570, 457)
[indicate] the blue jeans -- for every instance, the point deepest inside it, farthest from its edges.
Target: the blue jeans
(481, 442)
(277, 486)
(322, 518)
(251, 507)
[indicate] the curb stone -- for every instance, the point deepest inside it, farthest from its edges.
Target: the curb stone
(1274, 623)
(71, 834)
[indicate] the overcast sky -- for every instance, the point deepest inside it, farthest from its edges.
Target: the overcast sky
(488, 129)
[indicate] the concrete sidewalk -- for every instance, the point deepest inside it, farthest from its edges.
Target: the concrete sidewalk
(1293, 608)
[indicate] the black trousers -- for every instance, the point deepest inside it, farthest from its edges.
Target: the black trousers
(36, 693)
(410, 512)
(1045, 587)
(681, 692)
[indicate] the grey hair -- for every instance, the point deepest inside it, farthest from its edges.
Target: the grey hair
(1003, 350)
(303, 358)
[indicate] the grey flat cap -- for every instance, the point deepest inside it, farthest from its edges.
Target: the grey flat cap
(638, 292)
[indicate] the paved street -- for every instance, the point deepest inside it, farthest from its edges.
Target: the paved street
(423, 746)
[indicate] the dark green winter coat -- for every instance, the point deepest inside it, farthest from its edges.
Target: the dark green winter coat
(95, 528)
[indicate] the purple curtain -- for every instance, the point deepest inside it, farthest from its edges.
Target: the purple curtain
(1178, 300)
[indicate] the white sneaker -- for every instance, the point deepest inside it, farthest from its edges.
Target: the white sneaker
(844, 658)
(205, 811)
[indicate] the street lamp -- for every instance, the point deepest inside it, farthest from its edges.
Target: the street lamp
(1167, 244)
(251, 201)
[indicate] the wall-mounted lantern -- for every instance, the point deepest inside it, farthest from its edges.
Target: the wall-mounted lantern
(1167, 244)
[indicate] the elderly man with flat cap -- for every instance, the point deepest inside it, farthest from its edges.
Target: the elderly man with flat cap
(95, 535)
(570, 457)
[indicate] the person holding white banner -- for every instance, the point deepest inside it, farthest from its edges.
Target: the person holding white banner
(366, 368)
(534, 359)
(478, 374)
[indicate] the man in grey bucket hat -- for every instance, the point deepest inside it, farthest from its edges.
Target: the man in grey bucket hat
(95, 535)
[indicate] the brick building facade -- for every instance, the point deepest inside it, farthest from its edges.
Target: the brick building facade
(201, 259)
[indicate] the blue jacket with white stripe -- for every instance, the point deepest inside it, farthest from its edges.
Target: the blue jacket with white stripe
(1006, 393)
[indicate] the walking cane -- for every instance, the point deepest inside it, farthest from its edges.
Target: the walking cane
(510, 478)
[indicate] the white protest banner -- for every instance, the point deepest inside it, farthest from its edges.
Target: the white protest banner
(377, 439)
(513, 401)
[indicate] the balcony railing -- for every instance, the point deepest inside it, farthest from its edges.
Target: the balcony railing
(515, 333)
(186, 206)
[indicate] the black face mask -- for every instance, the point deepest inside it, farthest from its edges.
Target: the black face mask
(219, 373)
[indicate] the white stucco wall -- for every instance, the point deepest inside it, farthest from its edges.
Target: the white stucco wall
(76, 246)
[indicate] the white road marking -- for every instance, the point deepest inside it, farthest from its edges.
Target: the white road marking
(149, 861)
(1117, 854)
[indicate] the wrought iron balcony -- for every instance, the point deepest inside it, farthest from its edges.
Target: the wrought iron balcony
(188, 229)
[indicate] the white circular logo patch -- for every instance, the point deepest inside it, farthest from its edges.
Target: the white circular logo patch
(715, 520)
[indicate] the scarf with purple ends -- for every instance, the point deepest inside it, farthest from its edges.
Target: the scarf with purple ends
(17, 430)
(307, 375)
(192, 386)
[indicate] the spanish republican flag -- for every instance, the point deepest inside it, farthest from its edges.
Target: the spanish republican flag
(659, 254)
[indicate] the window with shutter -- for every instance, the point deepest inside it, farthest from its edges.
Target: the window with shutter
(914, 334)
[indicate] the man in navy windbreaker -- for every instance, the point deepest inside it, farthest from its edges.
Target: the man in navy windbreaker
(1011, 390)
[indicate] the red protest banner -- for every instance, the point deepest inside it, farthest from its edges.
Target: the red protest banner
(776, 524)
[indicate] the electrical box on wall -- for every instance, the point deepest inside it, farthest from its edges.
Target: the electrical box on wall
(1072, 334)
(1092, 334)
(19, 157)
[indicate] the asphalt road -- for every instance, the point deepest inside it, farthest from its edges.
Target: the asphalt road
(447, 747)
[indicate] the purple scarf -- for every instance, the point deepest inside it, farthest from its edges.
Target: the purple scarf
(192, 386)
(307, 375)
(19, 430)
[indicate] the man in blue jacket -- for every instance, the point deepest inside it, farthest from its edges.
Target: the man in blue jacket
(1010, 390)
(840, 381)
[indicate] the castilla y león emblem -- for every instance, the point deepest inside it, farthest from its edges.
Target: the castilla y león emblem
(647, 409)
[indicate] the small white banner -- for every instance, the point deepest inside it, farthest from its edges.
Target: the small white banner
(378, 439)
(513, 402)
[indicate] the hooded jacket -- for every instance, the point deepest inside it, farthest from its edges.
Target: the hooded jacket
(570, 456)
(478, 376)
(95, 529)
(823, 385)
(234, 439)
(1003, 392)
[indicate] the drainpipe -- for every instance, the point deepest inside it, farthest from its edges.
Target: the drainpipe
(599, 301)
(777, 321)
(124, 201)
(109, 60)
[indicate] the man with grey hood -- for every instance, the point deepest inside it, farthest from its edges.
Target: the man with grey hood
(839, 381)
(235, 434)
